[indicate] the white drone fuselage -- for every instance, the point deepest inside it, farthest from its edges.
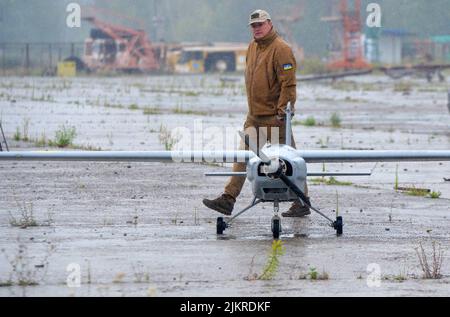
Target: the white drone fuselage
(268, 188)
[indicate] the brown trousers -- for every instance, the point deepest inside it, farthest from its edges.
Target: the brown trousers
(260, 129)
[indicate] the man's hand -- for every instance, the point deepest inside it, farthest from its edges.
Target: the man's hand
(281, 120)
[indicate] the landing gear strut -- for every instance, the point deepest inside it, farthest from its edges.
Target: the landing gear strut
(223, 225)
(336, 225)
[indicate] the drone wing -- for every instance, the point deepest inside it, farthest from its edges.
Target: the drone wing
(373, 156)
(131, 156)
(223, 156)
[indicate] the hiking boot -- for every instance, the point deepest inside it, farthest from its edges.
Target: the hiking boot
(297, 210)
(224, 204)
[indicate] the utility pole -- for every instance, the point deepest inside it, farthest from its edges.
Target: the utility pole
(2, 35)
(158, 22)
(349, 16)
(2, 17)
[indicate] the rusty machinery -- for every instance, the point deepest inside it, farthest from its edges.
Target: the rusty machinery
(116, 47)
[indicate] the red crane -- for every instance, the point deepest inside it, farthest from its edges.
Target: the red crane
(116, 47)
(352, 56)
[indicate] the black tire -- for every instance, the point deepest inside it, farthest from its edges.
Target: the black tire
(221, 225)
(276, 228)
(214, 59)
(339, 226)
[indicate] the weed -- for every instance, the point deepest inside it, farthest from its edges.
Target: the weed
(400, 277)
(313, 275)
(42, 141)
(6, 284)
(180, 110)
(324, 144)
(64, 137)
(396, 178)
(110, 138)
(309, 122)
(418, 192)
(166, 138)
(151, 111)
(133, 107)
(17, 135)
(430, 270)
(404, 87)
(273, 262)
(175, 220)
(141, 274)
(331, 181)
(25, 130)
(191, 94)
(435, 195)
(26, 217)
(89, 273)
(23, 272)
(335, 120)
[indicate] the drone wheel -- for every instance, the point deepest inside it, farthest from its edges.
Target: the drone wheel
(276, 228)
(221, 225)
(339, 225)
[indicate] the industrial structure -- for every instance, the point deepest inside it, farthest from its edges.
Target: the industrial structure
(116, 47)
(346, 46)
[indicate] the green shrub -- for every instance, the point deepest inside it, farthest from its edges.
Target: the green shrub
(310, 122)
(64, 137)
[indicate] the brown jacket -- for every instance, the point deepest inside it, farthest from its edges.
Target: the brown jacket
(270, 76)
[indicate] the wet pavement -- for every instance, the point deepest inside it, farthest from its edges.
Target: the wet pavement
(140, 229)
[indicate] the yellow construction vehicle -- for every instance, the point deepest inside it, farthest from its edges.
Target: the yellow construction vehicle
(210, 58)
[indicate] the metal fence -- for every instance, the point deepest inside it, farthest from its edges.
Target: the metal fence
(36, 58)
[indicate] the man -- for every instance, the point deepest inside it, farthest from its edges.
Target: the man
(270, 79)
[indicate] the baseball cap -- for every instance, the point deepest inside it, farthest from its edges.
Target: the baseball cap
(259, 16)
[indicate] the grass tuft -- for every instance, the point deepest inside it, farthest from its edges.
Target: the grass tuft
(330, 181)
(273, 262)
(63, 137)
(336, 120)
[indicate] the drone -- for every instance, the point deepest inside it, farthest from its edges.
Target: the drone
(277, 172)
